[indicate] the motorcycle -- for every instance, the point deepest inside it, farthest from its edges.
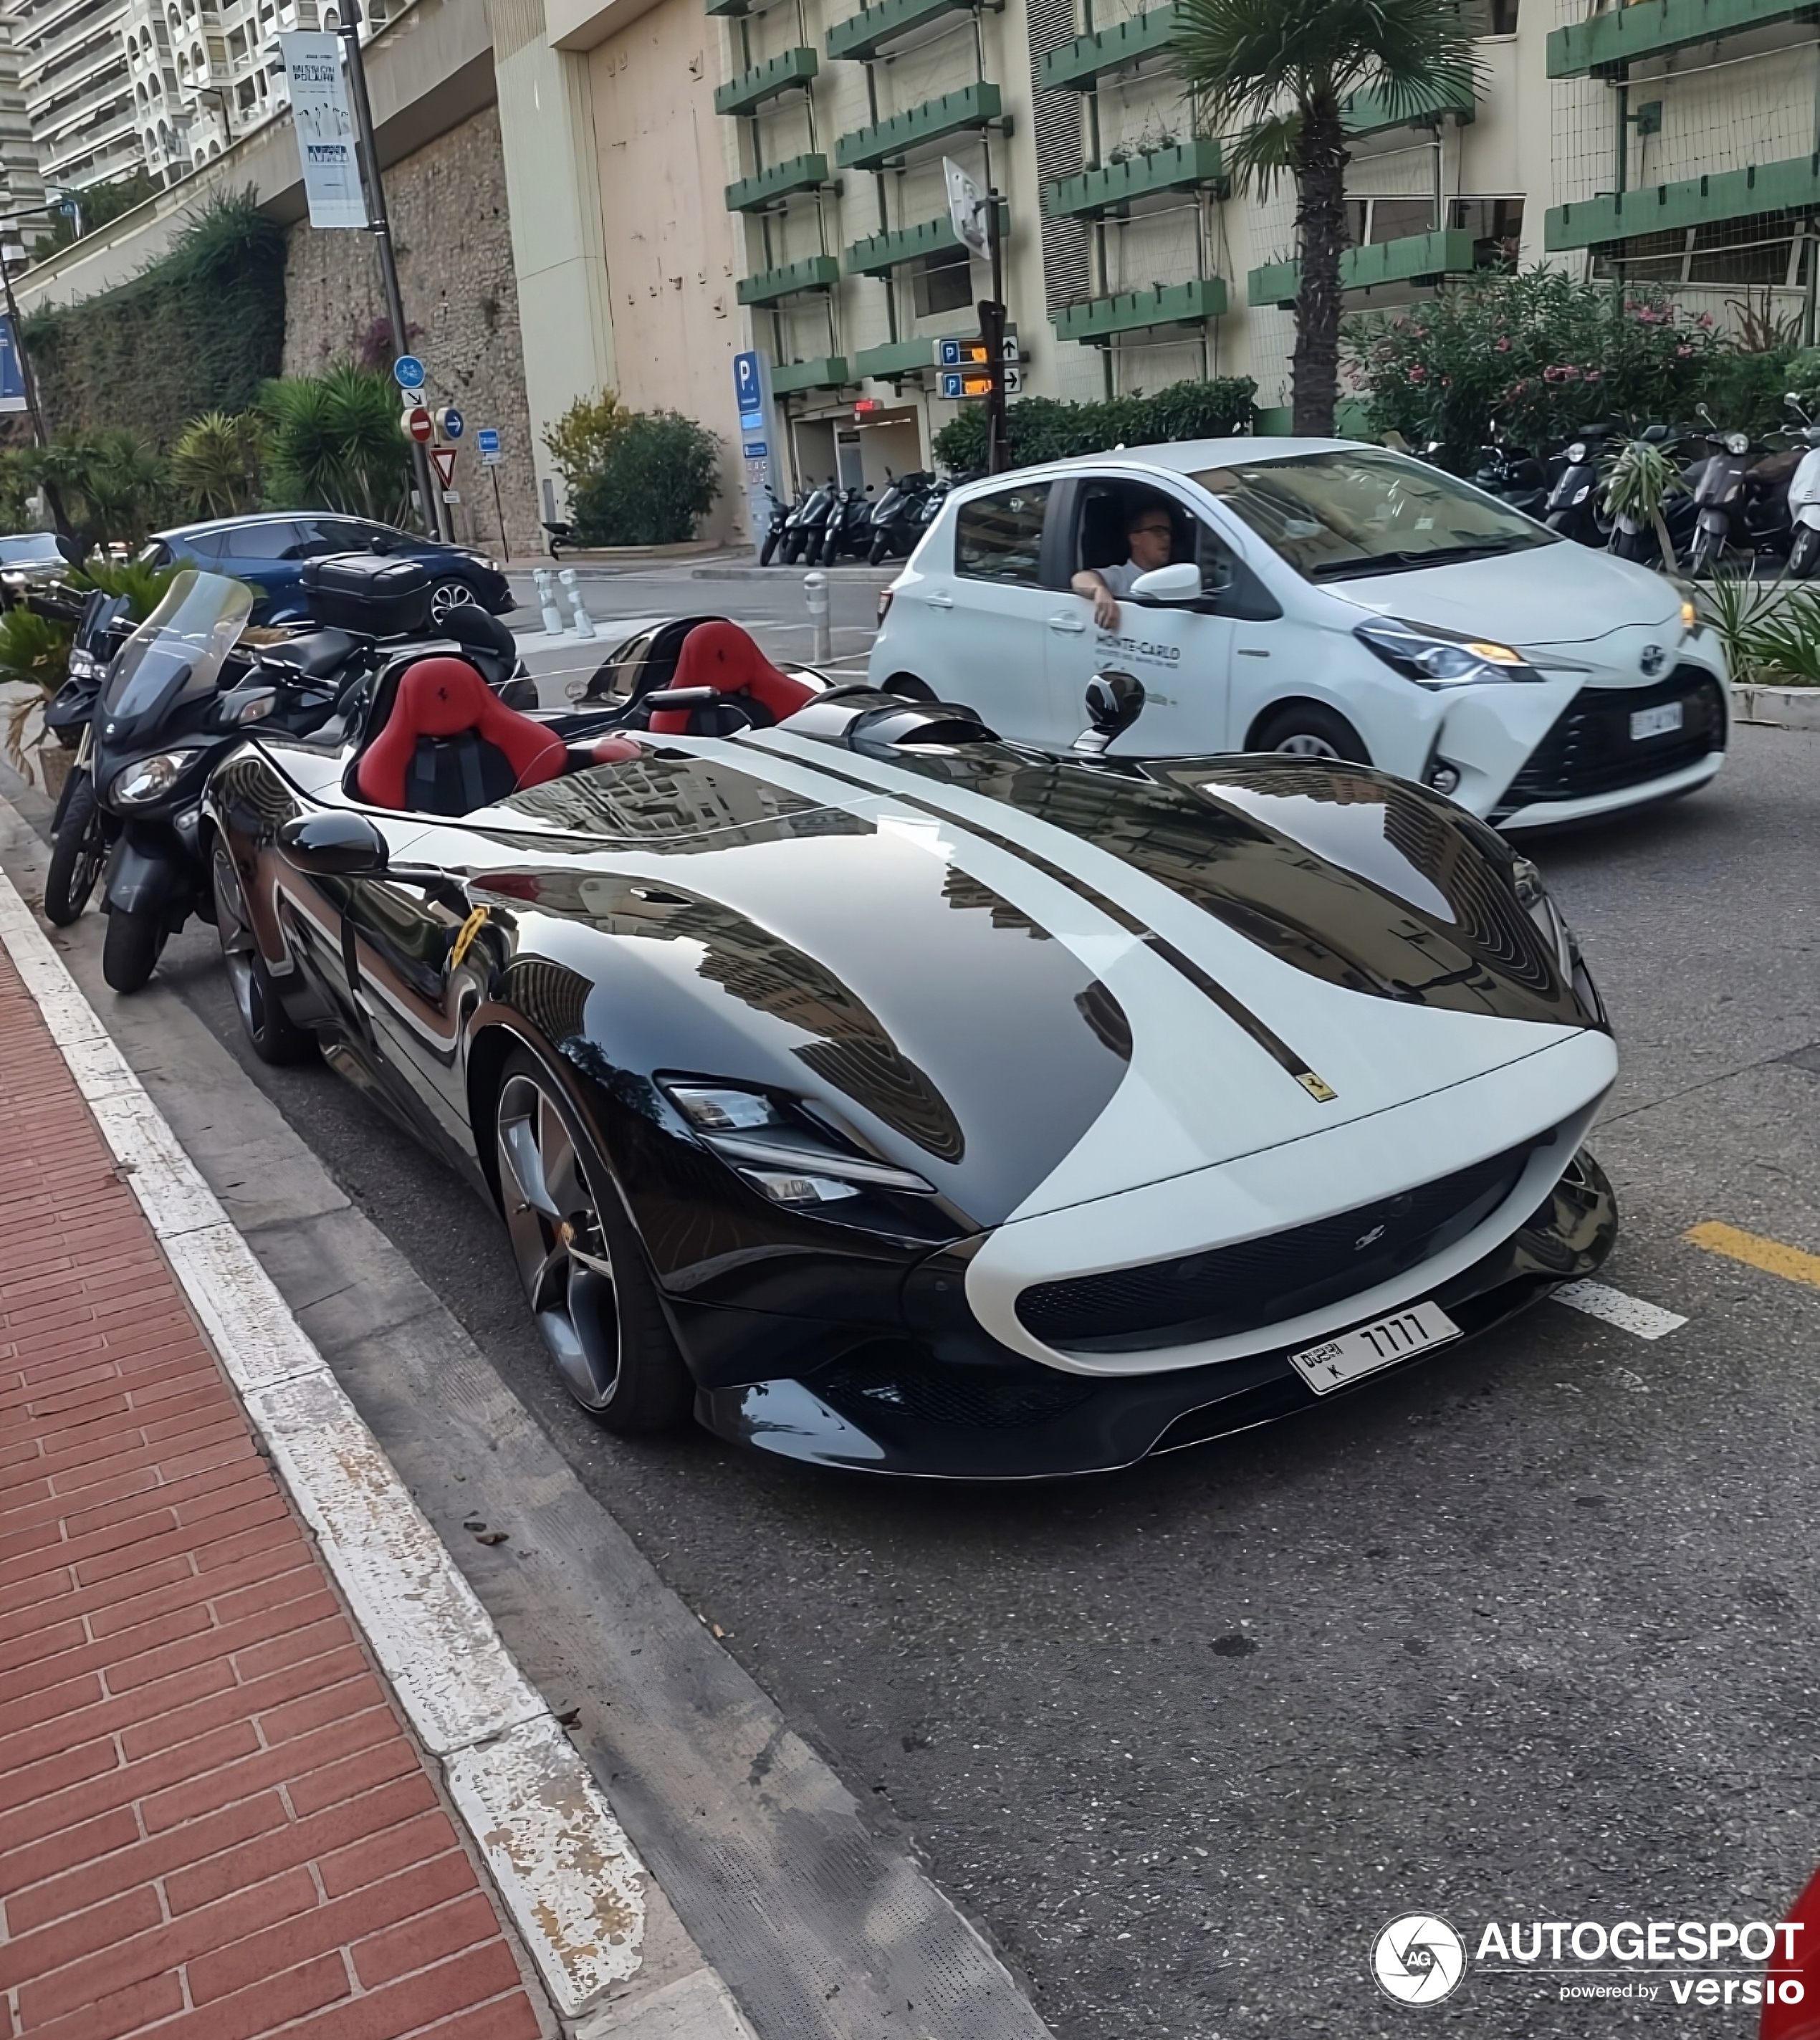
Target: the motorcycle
(804, 527)
(894, 526)
(1731, 509)
(1513, 474)
(849, 527)
(78, 831)
(1804, 497)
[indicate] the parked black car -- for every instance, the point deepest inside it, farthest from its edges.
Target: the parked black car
(268, 551)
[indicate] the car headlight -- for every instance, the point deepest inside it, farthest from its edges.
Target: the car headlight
(151, 778)
(1432, 657)
(777, 1149)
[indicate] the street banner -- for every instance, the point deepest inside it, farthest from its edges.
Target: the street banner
(325, 129)
(966, 209)
(12, 371)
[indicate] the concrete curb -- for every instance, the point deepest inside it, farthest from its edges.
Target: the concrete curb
(1780, 708)
(561, 1862)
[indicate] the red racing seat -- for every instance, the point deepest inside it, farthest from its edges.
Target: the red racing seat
(723, 656)
(450, 745)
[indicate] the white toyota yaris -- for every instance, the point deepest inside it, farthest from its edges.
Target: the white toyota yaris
(1321, 598)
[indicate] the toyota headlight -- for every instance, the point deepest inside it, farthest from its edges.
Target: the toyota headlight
(151, 778)
(1432, 657)
(779, 1150)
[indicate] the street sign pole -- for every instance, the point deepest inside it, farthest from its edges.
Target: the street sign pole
(499, 512)
(992, 333)
(380, 228)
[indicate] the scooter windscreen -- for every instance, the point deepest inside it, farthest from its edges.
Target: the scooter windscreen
(175, 654)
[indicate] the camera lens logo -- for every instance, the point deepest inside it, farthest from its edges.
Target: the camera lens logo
(1418, 1959)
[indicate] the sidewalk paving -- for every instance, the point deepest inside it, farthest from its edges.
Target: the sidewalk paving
(213, 1824)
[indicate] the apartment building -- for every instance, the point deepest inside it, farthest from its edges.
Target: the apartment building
(78, 99)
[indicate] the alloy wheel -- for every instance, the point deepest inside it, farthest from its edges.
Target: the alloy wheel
(557, 1239)
(447, 595)
(1306, 745)
(249, 994)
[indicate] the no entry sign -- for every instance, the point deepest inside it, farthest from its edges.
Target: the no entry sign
(418, 424)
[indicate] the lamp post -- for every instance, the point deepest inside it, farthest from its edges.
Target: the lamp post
(12, 259)
(379, 225)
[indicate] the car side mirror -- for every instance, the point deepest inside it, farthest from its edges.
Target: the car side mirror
(334, 846)
(1114, 701)
(1178, 582)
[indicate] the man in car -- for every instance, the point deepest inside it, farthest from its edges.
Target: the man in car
(1151, 536)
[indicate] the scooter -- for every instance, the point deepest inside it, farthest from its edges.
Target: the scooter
(1804, 497)
(895, 525)
(78, 829)
(804, 527)
(774, 533)
(1513, 474)
(1572, 507)
(1718, 492)
(849, 527)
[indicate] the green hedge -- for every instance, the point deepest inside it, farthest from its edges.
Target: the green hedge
(200, 329)
(1040, 428)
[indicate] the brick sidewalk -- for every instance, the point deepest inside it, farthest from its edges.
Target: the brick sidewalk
(212, 1825)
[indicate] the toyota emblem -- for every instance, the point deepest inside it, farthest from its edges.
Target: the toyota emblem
(1650, 659)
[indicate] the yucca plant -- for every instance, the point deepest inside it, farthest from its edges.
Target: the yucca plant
(34, 650)
(1639, 479)
(1270, 78)
(142, 584)
(335, 443)
(1734, 605)
(217, 460)
(1782, 641)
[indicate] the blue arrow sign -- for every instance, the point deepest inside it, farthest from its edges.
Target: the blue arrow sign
(454, 424)
(409, 372)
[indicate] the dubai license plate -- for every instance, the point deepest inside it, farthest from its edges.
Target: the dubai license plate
(1379, 1344)
(1654, 721)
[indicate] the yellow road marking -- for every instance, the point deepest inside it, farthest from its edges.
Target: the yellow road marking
(1755, 1251)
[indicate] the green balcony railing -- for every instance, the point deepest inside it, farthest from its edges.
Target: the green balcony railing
(976, 105)
(1607, 41)
(880, 253)
(827, 372)
(1079, 65)
(897, 357)
(1792, 186)
(1116, 184)
(874, 29)
(766, 82)
(814, 272)
(1414, 258)
(766, 187)
(1133, 311)
(1371, 112)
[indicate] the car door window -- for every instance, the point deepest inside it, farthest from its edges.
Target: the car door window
(260, 541)
(1000, 537)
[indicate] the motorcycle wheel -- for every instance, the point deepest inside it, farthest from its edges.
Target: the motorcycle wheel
(830, 548)
(131, 948)
(1805, 552)
(77, 854)
(769, 547)
(879, 546)
(792, 548)
(1704, 553)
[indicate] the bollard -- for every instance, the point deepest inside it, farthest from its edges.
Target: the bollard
(820, 638)
(547, 596)
(584, 623)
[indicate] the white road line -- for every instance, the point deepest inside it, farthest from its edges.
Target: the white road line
(561, 1863)
(1629, 1314)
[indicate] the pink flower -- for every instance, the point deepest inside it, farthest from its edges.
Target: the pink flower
(1502, 346)
(1682, 353)
(1595, 374)
(1706, 320)
(1417, 373)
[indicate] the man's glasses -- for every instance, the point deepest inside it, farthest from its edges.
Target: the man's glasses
(1153, 530)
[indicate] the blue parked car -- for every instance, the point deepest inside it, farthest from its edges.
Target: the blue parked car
(269, 550)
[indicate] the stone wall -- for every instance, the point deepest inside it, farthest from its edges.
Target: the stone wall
(448, 213)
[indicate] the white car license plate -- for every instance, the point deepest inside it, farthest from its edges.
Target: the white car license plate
(1385, 1340)
(1654, 721)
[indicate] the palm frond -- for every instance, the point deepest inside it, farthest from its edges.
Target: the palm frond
(1262, 151)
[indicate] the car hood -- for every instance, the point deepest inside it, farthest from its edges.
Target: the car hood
(1561, 594)
(1038, 982)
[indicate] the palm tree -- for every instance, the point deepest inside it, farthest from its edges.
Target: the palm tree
(1270, 76)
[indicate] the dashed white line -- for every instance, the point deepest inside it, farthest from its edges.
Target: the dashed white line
(1629, 1314)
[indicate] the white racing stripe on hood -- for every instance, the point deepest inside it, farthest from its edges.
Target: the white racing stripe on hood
(1376, 1053)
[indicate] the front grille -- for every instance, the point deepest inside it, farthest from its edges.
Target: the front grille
(1231, 1289)
(1591, 749)
(887, 1383)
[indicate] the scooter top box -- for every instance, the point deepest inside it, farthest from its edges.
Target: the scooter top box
(368, 593)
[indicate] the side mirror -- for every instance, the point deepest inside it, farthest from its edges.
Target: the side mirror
(1180, 582)
(334, 846)
(1114, 701)
(1792, 399)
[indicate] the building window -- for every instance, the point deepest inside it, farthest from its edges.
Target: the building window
(1496, 226)
(1371, 220)
(1764, 250)
(942, 283)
